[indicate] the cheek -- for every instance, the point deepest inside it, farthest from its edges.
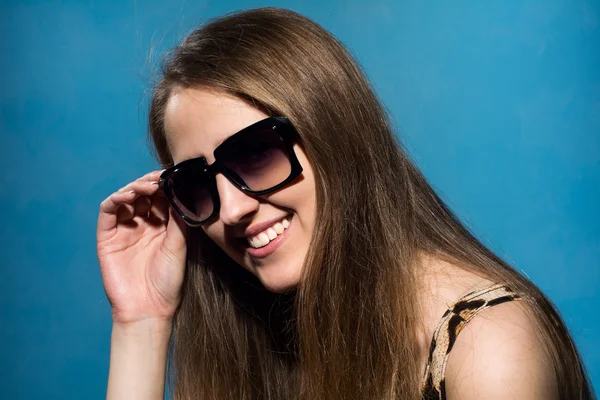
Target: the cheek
(307, 186)
(303, 159)
(300, 196)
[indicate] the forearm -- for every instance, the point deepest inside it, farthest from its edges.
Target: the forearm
(138, 356)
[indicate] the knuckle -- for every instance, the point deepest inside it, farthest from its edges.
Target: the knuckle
(104, 204)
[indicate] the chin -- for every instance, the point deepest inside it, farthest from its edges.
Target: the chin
(280, 283)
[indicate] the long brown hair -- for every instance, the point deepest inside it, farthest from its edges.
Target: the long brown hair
(349, 331)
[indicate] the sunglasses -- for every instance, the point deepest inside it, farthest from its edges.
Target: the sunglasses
(258, 160)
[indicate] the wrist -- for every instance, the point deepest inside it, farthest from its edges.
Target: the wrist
(138, 359)
(147, 325)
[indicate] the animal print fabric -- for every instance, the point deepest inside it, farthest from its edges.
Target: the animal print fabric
(453, 321)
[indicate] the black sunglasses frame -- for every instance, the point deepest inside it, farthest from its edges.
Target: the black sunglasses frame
(287, 135)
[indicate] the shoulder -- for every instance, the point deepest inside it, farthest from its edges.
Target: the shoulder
(498, 355)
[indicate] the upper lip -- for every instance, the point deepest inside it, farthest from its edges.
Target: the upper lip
(252, 230)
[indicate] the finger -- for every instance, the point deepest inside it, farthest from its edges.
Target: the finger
(159, 207)
(125, 213)
(141, 187)
(141, 206)
(153, 175)
(107, 219)
(146, 185)
(114, 201)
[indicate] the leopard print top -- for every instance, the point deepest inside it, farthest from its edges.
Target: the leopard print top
(453, 321)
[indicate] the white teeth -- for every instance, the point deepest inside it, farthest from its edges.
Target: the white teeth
(278, 228)
(263, 238)
(271, 234)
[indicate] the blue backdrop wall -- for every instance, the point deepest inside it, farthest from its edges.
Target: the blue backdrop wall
(498, 102)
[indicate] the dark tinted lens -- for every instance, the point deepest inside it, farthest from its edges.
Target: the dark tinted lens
(259, 158)
(192, 194)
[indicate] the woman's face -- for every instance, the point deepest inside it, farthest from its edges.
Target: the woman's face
(196, 122)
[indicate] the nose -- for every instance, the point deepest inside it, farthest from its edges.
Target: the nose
(236, 206)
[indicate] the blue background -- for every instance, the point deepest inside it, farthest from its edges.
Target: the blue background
(498, 102)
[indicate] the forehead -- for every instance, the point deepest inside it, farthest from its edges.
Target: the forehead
(198, 120)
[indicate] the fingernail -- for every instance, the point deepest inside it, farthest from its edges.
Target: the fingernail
(153, 183)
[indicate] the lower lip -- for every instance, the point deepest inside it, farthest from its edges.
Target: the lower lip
(263, 252)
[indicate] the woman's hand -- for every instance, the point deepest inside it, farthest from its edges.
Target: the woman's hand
(142, 252)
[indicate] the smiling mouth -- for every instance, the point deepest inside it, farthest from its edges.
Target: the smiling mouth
(271, 233)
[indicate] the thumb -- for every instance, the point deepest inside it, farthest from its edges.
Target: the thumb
(176, 232)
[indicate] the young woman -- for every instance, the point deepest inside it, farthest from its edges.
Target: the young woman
(291, 250)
